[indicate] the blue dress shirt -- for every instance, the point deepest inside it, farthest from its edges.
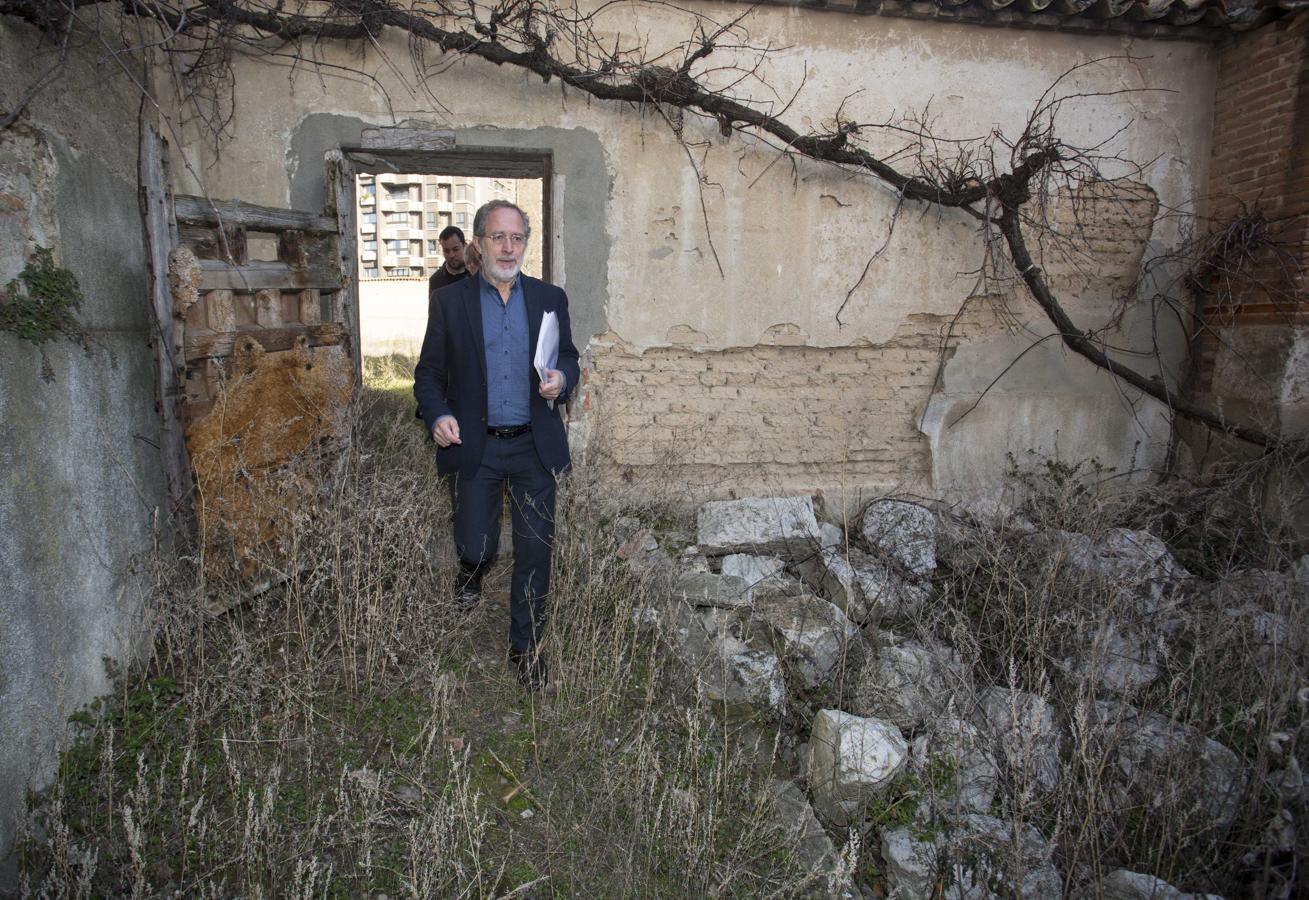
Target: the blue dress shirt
(508, 356)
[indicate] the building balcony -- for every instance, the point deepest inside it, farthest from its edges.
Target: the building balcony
(367, 228)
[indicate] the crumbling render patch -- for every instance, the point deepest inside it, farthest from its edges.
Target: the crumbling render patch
(772, 417)
(274, 407)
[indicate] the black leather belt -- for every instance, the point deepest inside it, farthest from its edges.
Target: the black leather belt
(511, 431)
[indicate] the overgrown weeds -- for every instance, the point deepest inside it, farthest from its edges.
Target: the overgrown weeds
(347, 731)
(1074, 598)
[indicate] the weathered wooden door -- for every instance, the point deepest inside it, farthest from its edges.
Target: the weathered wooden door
(257, 357)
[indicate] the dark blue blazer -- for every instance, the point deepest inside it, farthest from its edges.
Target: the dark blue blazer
(450, 379)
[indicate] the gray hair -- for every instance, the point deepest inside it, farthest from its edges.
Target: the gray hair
(480, 217)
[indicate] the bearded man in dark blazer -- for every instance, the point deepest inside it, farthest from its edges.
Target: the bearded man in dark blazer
(496, 422)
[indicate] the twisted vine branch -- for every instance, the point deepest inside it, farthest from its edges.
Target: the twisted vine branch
(532, 35)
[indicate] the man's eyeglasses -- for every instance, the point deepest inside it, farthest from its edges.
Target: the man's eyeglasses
(499, 237)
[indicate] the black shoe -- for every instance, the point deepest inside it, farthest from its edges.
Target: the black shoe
(533, 673)
(467, 598)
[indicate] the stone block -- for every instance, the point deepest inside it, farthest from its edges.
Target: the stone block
(769, 526)
(851, 760)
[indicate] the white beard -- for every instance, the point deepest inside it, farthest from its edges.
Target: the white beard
(496, 272)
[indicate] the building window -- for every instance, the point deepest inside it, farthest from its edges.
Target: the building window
(397, 218)
(443, 192)
(398, 247)
(461, 219)
(431, 220)
(461, 193)
(397, 191)
(433, 248)
(370, 218)
(370, 271)
(444, 219)
(399, 272)
(369, 190)
(370, 245)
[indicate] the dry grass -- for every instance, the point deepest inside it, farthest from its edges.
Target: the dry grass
(1021, 616)
(348, 733)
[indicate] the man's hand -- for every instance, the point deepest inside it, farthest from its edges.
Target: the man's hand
(446, 431)
(553, 384)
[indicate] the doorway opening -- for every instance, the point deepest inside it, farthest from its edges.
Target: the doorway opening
(399, 219)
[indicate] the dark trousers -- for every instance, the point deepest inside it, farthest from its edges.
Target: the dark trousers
(477, 502)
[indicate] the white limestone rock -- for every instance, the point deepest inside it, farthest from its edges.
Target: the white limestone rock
(830, 573)
(976, 773)
(911, 865)
(1023, 728)
(1015, 860)
(851, 760)
(708, 589)
(1122, 884)
(887, 596)
(812, 635)
(766, 526)
(974, 858)
(757, 571)
(1136, 562)
(907, 683)
(903, 532)
(863, 588)
(743, 680)
(1162, 762)
(805, 836)
(1117, 660)
(832, 537)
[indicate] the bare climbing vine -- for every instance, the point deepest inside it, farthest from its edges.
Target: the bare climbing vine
(717, 73)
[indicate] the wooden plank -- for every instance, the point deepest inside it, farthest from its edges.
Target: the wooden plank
(310, 308)
(221, 309)
(233, 213)
(167, 334)
(408, 139)
(340, 189)
(220, 345)
(217, 275)
(268, 309)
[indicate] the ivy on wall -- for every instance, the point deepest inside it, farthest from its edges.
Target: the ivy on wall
(41, 304)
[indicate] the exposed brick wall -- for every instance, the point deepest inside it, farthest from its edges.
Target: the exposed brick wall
(768, 418)
(1261, 124)
(1244, 353)
(783, 416)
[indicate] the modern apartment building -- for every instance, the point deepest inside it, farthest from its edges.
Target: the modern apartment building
(401, 217)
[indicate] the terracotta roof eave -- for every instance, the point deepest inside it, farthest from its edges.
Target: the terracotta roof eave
(1177, 20)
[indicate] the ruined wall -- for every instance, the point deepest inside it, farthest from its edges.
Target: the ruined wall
(1251, 354)
(80, 477)
(642, 266)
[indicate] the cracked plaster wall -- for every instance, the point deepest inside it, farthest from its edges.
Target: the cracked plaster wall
(792, 240)
(80, 477)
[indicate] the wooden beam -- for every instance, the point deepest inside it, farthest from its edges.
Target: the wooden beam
(223, 344)
(340, 189)
(217, 275)
(166, 336)
(234, 213)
